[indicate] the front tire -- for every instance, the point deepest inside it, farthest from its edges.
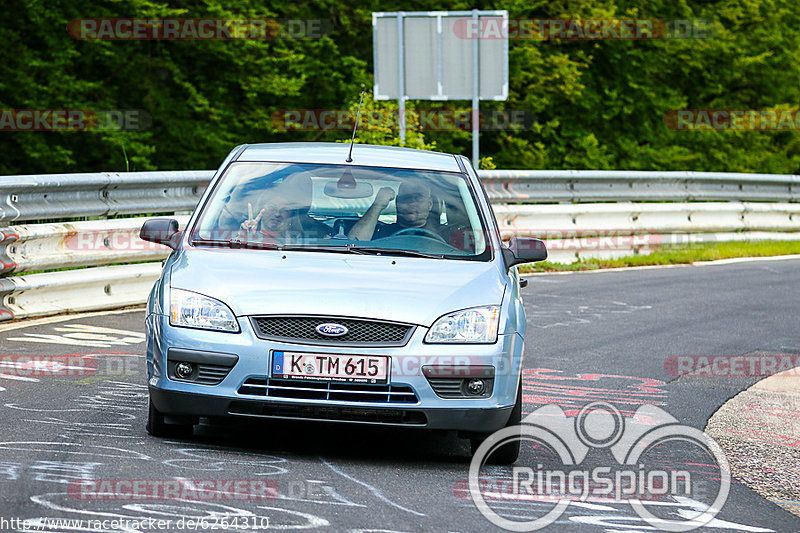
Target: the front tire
(508, 453)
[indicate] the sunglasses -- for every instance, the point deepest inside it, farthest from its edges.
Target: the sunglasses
(409, 198)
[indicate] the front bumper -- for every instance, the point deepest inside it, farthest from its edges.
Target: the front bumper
(196, 405)
(176, 398)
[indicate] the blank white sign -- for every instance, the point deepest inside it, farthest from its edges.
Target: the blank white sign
(437, 50)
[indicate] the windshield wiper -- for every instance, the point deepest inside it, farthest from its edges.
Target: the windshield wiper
(236, 242)
(346, 249)
(393, 251)
(351, 249)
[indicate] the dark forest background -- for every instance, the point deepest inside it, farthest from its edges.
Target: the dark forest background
(597, 104)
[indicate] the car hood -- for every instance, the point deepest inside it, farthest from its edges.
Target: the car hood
(403, 289)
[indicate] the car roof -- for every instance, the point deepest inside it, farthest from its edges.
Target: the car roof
(363, 155)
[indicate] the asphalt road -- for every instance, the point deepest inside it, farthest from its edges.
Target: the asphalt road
(592, 337)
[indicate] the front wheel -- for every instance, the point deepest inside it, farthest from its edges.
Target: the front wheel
(507, 453)
(158, 427)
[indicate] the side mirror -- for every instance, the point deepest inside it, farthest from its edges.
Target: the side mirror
(161, 231)
(524, 250)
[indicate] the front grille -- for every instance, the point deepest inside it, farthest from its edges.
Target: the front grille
(326, 390)
(302, 329)
(331, 413)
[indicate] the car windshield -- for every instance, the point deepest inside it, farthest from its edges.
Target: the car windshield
(344, 209)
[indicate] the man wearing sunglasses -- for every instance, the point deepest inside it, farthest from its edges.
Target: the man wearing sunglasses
(413, 203)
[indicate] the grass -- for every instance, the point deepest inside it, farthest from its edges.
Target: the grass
(675, 255)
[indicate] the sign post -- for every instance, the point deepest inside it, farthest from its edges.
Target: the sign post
(441, 55)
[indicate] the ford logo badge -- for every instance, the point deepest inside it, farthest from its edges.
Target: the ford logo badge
(330, 329)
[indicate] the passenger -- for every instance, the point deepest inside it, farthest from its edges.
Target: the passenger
(275, 219)
(299, 193)
(413, 204)
(285, 214)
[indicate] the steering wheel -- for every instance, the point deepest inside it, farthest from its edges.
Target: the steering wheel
(422, 232)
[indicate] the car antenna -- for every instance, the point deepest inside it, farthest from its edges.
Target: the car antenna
(355, 127)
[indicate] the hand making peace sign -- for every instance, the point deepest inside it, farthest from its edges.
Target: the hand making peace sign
(251, 224)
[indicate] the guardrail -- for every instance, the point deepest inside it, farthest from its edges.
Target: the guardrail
(104, 194)
(579, 231)
(580, 186)
(52, 196)
(76, 244)
(578, 213)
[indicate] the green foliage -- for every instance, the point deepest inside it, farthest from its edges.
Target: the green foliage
(378, 124)
(486, 163)
(598, 104)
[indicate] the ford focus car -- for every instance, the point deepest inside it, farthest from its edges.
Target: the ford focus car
(364, 287)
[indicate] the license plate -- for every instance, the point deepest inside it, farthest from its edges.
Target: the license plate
(331, 367)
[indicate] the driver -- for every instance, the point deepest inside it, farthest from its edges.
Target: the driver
(413, 203)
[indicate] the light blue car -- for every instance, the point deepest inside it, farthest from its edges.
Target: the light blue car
(311, 284)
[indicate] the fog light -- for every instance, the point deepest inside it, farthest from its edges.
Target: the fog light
(184, 370)
(476, 386)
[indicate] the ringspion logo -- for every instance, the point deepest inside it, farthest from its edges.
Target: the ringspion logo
(653, 459)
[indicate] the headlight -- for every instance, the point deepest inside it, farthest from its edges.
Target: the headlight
(476, 325)
(197, 311)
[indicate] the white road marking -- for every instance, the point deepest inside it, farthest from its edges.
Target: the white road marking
(85, 335)
(18, 378)
(179, 509)
(202, 459)
(76, 449)
(374, 490)
(63, 471)
(62, 318)
(9, 471)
